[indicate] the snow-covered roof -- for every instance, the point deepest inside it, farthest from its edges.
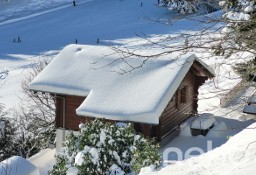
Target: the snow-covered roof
(96, 73)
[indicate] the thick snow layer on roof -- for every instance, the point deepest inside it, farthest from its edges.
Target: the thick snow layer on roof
(95, 72)
(17, 165)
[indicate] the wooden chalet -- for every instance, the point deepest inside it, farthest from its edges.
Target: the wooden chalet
(157, 102)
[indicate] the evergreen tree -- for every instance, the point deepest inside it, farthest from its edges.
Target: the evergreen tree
(241, 18)
(104, 148)
(247, 70)
(191, 6)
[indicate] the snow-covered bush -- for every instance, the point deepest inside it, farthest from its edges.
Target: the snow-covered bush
(102, 148)
(182, 6)
(31, 136)
(240, 16)
(246, 70)
(238, 9)
(190, 6)
(34, 117)
(7, 134)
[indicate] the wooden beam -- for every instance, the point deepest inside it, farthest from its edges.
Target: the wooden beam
(202, 70)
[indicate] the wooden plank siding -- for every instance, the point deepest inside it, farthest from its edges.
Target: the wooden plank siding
(71, 120)
(181, 106)
(176, 111)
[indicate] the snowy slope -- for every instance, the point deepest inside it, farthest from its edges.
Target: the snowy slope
(228, 148)
(44, 35)
(86, 22)
(13, 9)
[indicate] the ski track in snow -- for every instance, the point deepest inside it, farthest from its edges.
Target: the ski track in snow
(17, 18)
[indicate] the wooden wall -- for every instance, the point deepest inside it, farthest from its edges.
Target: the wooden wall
(176, 112)
(71, 119)
(173, 115)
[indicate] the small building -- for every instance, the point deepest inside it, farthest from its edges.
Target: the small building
(156, 94)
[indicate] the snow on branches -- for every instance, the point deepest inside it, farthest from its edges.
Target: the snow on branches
(190, 6)
(7, 133)
(104, 148)
(182, 6)
(2, 128)
(238, 10)
(240, 17)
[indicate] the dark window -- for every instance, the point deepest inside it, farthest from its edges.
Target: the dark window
(183, 95)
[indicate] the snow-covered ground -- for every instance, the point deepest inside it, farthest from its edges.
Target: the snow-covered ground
(44, 160)
(13, 10)
(236, 157)
(228, 148)
(229, 121)
(18, 165)
(43, 35)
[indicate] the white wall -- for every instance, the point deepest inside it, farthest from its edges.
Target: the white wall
(60, 137)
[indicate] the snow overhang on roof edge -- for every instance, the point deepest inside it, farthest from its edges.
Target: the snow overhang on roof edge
(208, 68)
(38, 88)
(147, 118)
(150, 115)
